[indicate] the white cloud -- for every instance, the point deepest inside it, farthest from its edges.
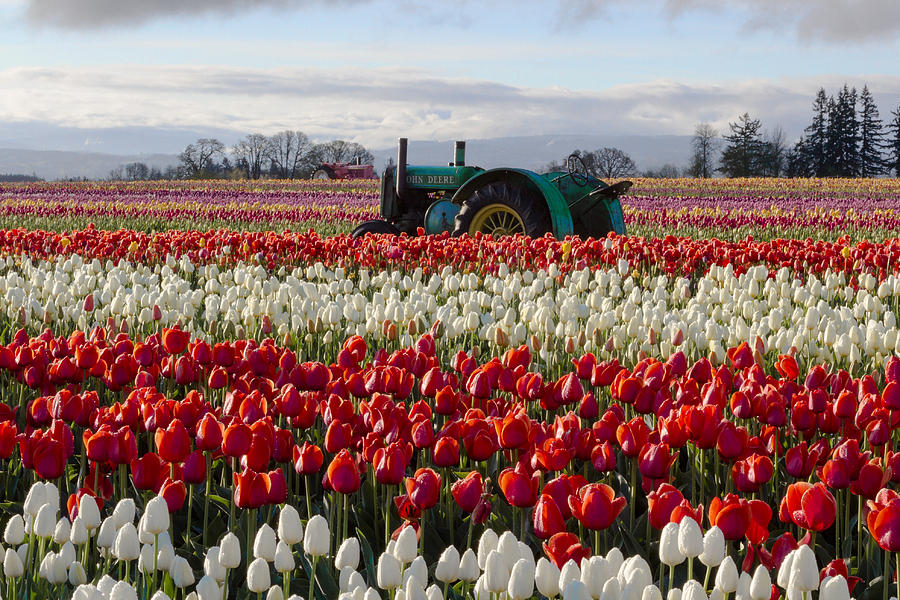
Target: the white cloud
(376, 106)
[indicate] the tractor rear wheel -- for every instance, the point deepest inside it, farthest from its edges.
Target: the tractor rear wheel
(501, 209)
(323, 173)
(374, 227)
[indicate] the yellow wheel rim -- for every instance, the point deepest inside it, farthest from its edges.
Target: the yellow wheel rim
(497, 219)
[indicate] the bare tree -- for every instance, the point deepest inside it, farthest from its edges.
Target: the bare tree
(286, 151)
(251, 151)
(198, 159)
(339, 151)
(607, 163)
(137, 171)
(773, 153)
(705, 144)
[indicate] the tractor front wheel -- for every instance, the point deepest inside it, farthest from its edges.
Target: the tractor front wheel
(500, 209)
(323, 173)
(374, 227)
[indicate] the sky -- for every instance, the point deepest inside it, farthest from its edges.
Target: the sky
(372, 70)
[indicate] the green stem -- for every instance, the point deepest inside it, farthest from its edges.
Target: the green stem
(187, 529)
(206, 504)
(886, 579)
(312, 579)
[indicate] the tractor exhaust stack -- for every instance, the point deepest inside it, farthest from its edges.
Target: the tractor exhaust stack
(459, 154)
(401, 168)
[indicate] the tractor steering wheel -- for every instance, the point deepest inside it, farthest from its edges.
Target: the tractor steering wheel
(576, 169)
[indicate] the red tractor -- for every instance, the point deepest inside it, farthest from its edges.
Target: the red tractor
(344, 171)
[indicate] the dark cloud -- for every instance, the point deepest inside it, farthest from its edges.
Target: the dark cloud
(95, 14)
(821, 20)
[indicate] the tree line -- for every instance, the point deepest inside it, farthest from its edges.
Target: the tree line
(285, 155)
(846, 138)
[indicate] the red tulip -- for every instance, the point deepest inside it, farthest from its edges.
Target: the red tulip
(731, 515)
(808, 506)
(884, 520)
(547, 519)
(654, 461)
(390, 464)
(519, 488)
(446, 452)
(194, 468)
(173, 443)
(424, 488)
(251, 489)
(148, 472)
(467, 492)
(342, 473)
(596, 506)
(175, 341)
(661, 503)
(236, 440)
(308, 459)
(563, 547)
(174, 493)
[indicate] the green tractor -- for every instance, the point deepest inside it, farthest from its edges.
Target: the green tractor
(505, 201)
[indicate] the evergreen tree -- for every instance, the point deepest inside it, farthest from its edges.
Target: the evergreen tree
(842, 145)
(813, 148)
(797, 160)
(743, 153)
(893, 145)
(871, 137)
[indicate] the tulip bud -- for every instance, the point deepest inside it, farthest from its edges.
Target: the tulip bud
(157, 515)
(521, 580)
(258, 579)
(106, 537)
(275, 593)
(417, 569)
(834, 588)
(76, 575)
(35, 499)
(576, 590)
(805, 569)
(284, 558)
(213, 567)
(126, 546)
(89, 513)
(496, 572)
(79, 533)
(123, 590)
(208, 589)
(486, 543)
(12, 564)
(316, 538)
(62, 530)
(593, 575)
(546, 578)
(651, 592)
(348, 554)
(761, 584)
(122, 513)
(407, 546)
(727, 576)
(690, 539)
(743, 588)
(14, 534)
(716, 594)
(448, 565)
(264, 543)
(468, 567)
(569, 572)
(692, 590)
(669, 553)
(290, 529)
(713, 547)
(230, 551)
(45, 521)
(388, 572)
(784, 571)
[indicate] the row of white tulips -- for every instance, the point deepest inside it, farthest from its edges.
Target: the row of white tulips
(502, 568)
(610, 310)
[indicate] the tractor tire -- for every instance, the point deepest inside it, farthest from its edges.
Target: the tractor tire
(323, 173)
(374, 227)
(501, 209)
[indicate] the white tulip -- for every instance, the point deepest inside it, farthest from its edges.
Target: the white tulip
(45, 521)
(12, 564)
(727, 576)
(161, 595)
(486, 543)
(416, 569)
(407, 545)
(264, 543)
(123, 512)
(316, 538)
(126, 546)
(181, 572)
(35, 499)
(14, 534)
(690, 538)
(275, 593)
(208, 589)
(284, 558)
(669, 553)
(834, 588)
(468, 567)
(290, 529)
(496, 572)
(156, 515)
(743, 588)
(89, 512)
(348, 554)
(62, 530)
(569, 572)
(76, 575)
(805, 569)
(761, 584)
(575, 590)
(692, 590)
(123, 591)
(230, 551)
(713, 547)
(388, 572)
(258, 579)
(651, 592)
(546, 578)
(78, 534)
(448, 565)
(106, 537)
(521, 580)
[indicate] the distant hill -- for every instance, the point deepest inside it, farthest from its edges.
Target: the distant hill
(530, 152)
(55, 164)
(534, 152)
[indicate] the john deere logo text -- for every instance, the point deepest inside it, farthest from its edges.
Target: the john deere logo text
(431, 179)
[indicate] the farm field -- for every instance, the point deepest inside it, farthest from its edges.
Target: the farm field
(209, 388)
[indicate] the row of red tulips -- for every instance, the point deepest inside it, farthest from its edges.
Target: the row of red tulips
(112, 416)
(672, 255)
